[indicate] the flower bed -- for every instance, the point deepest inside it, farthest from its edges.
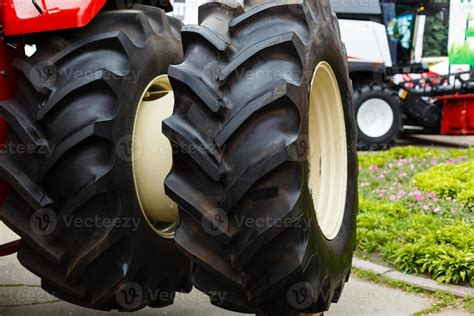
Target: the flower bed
(417, 211)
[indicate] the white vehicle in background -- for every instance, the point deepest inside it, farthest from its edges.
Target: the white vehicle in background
(385, 49)
(377, 107)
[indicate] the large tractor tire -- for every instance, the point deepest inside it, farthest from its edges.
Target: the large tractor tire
(265, 166)
(378, 116)
(85, 195)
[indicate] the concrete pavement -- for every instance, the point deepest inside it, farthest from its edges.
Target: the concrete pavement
(359, 298)
(420, 282)
(21, 295)
(437, 141)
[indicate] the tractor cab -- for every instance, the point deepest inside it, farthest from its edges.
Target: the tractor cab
(403, 24)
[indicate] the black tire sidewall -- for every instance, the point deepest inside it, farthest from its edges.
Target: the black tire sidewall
(335, 256)
(132, 92)
(166, 258)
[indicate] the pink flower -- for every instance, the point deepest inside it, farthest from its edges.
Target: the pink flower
(401, 193)
(434, 162)
(382, 176)
(374, 167)
(402, 175)
(460, 159)
(412, 167)
(392, 198)
(449, 198)
(426, 207)
(419, 197)
(437, 209)
(390, 165)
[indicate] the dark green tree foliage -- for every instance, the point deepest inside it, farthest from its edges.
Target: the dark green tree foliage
(435, 42)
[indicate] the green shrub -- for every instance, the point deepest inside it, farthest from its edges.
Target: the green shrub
(446, 254)
(456, 181)
(407, 218)
(382, 158)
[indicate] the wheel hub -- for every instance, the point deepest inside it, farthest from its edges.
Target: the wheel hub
(375, 118)
(327, 152)
(152, 157)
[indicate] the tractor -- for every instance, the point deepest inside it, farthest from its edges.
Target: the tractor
(141, 158)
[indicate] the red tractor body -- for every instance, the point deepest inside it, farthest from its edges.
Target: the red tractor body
(458, 114)
(25, 17)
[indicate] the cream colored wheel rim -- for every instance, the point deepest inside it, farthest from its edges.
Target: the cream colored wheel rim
(327, 152)
(152, 157)
(375, 118)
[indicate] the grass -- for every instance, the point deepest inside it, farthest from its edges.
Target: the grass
(441, 300)
(469, 304)
(417, 212)
(18, 285)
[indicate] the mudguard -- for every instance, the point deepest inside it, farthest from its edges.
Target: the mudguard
(32, 16)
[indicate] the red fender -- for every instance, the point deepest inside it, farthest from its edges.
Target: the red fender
(24, 17)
